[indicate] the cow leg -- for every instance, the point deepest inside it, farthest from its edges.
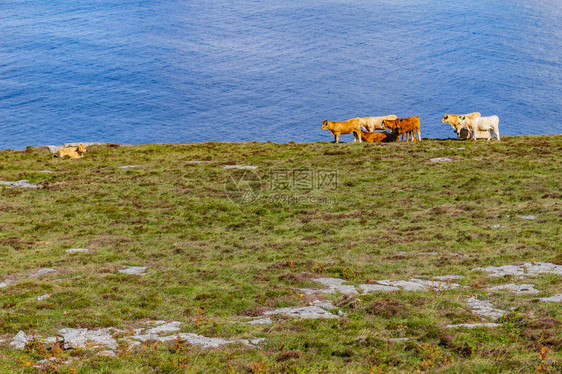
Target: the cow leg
(497, 133)
(337, 136)
(419, 135)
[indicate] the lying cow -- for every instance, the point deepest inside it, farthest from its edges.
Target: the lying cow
(378, 137)
(453, 120)
(343, 127)
(405, 126)
(490, 124)
(375, 123)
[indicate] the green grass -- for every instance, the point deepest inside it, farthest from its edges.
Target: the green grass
(213, 261)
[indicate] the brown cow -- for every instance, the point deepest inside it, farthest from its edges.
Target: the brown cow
(406, 126)
(378, 137)
(344, 127)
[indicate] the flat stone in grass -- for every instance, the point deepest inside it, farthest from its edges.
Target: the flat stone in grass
(19, 341)
(24, 183)
(5, 283)
(188, 337)
(197, 162)
(528, 217)
(448, 277)
(261, 321)
(527, 269)
(42, 271)
(472, 325)
(334, 285)
(306, 312)
(127, 166)
(377, 288)
(77, 250)
(82, 338)
(133, 270)
(164, 327)
(440, 159)
(515, 288)
(43, 297)
(239, 167)
(420, 285)
(484, 308)
(554, 299)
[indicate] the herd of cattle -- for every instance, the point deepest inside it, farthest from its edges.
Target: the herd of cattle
(465, 125)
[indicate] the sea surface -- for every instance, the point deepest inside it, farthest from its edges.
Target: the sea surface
(134, 71)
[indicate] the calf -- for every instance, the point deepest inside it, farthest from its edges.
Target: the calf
(343, 127)
(474, 125)
(405, 126)
(377, 137)
(375, 123)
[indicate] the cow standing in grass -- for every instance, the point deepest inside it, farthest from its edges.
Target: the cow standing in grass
(375, 123)
(490, 124)
(453, 120)
(343, 127)
(405, 126)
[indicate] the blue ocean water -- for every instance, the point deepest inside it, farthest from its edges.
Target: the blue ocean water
(135, 71)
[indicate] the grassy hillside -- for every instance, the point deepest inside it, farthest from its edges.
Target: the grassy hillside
(222, 246)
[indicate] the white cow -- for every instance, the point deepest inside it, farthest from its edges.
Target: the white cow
(490, 124)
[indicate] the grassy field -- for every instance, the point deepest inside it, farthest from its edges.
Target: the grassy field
(223, 246)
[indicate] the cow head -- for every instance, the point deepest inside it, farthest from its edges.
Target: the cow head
(81, 149)
(389, 124)
(324, 125)
(445, 118)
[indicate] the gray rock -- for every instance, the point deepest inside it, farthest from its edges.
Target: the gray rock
(324, 305)
(447, 277)
(496, 226)
(484, 308)
(527, 269)
(189, 337)
(77, 250)
(307, 312)
(440, 159)
(420, 285)
(19, 341)
(399, 339)
(5, 283)
(261, 321)
(197, 162)
(239, 167)
(127, 167)
(521, 288)
(164, 327)
(257, 341)
(555, 298)
(24, 183)
(336, 284)
(43, 297)
(472, 325)
(86, 144)
(430, 253)
(133, 270)
(377, 288)
(528, 217)
(54, 148)
(82, 338)
(42, 271)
